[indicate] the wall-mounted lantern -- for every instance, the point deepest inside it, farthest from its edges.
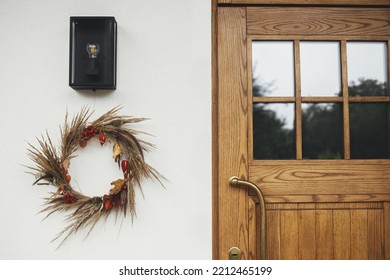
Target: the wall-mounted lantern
(92, 60)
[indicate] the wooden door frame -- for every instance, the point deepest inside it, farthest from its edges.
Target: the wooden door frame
(234, 202)
(220, 223)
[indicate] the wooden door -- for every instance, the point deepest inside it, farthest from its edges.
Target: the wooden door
(315, 208)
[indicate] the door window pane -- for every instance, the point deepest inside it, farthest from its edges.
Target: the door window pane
(273, 131)
(367, 74)
(322, 131)
(273, 68)
(320, 68)
(369, 129)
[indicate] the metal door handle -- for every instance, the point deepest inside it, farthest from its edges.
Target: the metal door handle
(236, 182)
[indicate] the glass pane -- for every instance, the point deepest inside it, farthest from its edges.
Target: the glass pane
(369, 128)
(273, 68)
(320, 69)
(367, 74)
(273, 131)
(322, 131)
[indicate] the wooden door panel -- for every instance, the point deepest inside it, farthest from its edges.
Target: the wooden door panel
(359, 234)
(322, 231)
(273, 236)
(306, 2)
(342, 233)
(324, 234)
(306, 238)
(316, 209)
(325, 181)
(318, 21)
(386, 222)
(375, 242)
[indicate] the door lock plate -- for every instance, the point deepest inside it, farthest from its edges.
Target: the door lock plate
(234, 253)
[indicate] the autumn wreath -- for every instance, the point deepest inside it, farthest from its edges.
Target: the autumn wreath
(52, 168)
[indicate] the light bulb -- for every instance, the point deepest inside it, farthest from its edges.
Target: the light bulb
(93, 50)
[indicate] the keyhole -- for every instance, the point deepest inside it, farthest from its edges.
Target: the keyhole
(234, 253)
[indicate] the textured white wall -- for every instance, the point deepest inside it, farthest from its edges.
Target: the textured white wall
(163, 74)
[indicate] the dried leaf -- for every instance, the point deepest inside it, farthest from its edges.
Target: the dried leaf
(118, 184)
(117, 150)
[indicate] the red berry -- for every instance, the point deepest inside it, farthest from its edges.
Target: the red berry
(69, 198)
(102, 138)
(108, 204)
(125, 165)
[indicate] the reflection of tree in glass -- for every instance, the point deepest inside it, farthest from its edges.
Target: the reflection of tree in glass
(271, 138)
(367, 87)
(369, 122)
(261, 88)
(322, 131)
(323, 127)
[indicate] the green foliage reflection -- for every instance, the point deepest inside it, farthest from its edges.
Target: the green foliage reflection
(322, 125)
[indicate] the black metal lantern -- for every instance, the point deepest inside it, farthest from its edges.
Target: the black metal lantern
(92, 60)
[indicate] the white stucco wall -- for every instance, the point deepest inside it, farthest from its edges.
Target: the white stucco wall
(164, 73)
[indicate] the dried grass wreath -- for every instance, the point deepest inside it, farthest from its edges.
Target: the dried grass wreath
(52, 164)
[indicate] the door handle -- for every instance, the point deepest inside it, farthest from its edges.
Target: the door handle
(236, 182)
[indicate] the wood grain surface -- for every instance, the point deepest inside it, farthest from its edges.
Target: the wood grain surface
(316, 209)
(323, 232)
(323, 181)
(318, 21)
(232, 102)
(308, 2)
